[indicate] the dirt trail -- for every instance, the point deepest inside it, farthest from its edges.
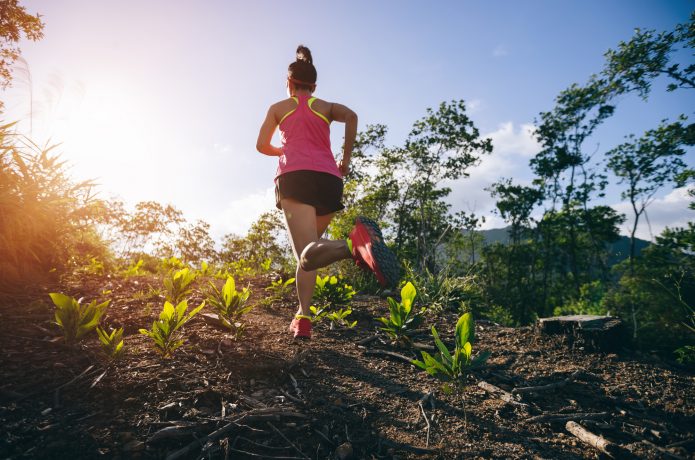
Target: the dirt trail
(266, 396)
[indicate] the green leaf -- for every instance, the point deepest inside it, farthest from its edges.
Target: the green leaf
(395, 312)
(480, 359)
(442, 348)
(467, 351)
(167, 312)
(62, 300)
(407, 296)
(465, 328)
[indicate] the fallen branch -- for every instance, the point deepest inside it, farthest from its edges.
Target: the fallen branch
(391, 354)
(424, 414)
(595, 441)
(548, 387)
(503, 395)
(367, 340)
(566, 417)
(251, 416)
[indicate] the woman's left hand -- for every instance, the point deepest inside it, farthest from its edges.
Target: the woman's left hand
(344, 168)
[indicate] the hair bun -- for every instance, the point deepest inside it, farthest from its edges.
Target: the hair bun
(303, 54)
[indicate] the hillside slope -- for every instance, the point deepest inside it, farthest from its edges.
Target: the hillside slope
(266, 396)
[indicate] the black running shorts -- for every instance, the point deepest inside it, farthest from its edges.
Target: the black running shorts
(321, 190)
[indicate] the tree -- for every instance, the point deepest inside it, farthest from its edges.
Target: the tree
(441, 146)
(647, 164)
(647, 55)
(14, 21)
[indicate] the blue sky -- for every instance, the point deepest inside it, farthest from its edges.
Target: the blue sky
(162, 100)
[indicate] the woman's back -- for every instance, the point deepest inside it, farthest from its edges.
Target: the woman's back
(305, 136)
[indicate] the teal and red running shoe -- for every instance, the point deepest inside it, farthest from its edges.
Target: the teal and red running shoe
(301, 327)
(369, 251)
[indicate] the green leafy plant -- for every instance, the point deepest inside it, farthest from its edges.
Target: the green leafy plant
(339, 318)
(332, 290)
(278, 291)
(134, 269)
(76, 319)
(94, 267)
(452, 367)
(204, 268)
(318, 313)
(402, 318)
(442, 290)
(112, 344)
(685, 354)
(178, 284)
(166, 265)
(165, 331)
(265, 265)
(230, 304)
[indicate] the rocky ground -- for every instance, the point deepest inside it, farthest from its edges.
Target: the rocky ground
(347, 393)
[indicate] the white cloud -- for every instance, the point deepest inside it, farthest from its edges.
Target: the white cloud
(508, 141)
(671, 210)
(500, 50)
(239, 214)
(474, 105)
(512, 148)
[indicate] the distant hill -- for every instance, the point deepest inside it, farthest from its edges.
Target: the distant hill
(620, 250)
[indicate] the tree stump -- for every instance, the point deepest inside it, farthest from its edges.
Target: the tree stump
(593, 333)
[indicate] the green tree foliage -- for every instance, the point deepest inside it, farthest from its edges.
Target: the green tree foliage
(401, 185)
(14, 21)
(266, 240)
(635, 64)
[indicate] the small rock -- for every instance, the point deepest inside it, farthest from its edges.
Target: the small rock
(344, 451)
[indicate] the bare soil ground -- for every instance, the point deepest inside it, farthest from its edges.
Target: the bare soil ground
(336, 396)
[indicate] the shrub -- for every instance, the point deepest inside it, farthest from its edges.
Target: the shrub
(112, 344)
(76, 319)
(401, 318)
(177, 285)
(449, 367)
(230, 305)
(332, 290)
(339, 319)
(165, 332)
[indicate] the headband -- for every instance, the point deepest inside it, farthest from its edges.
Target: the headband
(300, 82)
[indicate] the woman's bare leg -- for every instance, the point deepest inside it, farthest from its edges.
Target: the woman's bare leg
(302, 227)
(323, 252)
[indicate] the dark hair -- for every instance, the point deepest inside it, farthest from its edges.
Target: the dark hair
(302, 71)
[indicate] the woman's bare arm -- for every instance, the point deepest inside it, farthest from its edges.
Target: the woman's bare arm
(345, 115)
(265, 135)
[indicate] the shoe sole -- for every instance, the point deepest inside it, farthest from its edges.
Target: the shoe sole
(384, 258)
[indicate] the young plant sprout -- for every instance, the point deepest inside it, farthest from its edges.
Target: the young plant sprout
(452, 367)
(177, 285)
(76, 319)
(112, 344)
(331, 290)
(165, 331)
(230, 305)
(401, 318)
(339, 319)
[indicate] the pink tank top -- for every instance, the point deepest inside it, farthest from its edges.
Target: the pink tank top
(306, 141)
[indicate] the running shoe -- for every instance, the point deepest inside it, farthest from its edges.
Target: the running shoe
(369, 251)
(301, 327)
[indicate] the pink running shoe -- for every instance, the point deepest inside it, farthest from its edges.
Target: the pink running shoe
(301, 327)
(370, 252)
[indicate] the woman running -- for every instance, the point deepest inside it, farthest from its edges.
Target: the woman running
(309, 186)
